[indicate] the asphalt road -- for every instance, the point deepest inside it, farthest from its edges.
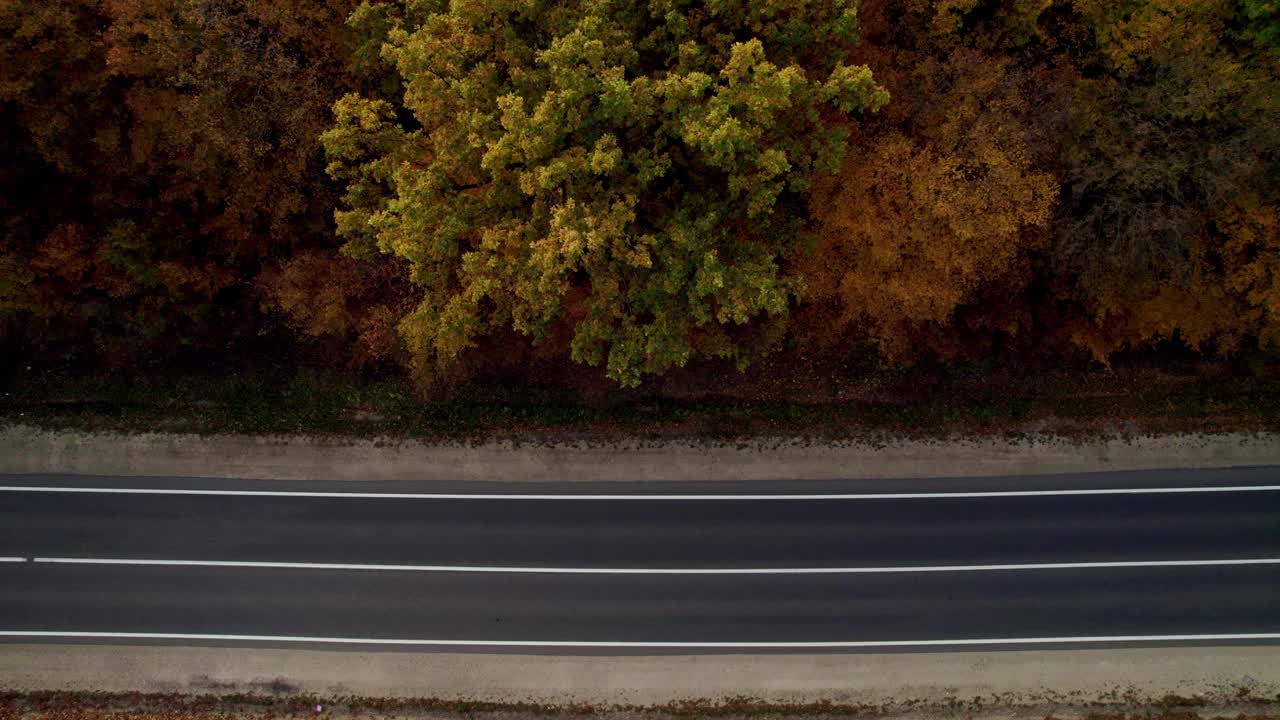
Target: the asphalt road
(1127, 559)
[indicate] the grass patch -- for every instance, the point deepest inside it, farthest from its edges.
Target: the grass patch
(1078, 405)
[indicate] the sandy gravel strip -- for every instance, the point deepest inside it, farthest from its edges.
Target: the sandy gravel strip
(1083, 674)
(30, 450)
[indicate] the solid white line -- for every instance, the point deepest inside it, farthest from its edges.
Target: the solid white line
(643, 644)
(655, 571)
(12, 559)
(641, 498)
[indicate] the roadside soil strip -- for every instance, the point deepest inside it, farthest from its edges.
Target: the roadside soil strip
(275, 702)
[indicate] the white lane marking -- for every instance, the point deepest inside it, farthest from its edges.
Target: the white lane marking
(12, 559)
(655, 571)
(641, 498)
(642, 644)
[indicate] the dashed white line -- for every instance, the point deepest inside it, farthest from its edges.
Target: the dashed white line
(851, 644)
(639, 497)
(653, 571)
(12, 559)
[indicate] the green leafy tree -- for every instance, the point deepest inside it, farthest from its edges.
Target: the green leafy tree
(644, 162)
(1263, 23)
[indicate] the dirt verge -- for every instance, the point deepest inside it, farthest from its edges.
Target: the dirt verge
(136, 706)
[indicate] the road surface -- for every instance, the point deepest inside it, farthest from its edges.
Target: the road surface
(1121, 559)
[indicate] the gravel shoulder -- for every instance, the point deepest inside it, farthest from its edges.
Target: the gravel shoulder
(26, 449)
(887, 682)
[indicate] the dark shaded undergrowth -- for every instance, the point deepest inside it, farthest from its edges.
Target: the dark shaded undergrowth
(709, 405)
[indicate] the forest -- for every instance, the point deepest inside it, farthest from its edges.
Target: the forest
(447, 189)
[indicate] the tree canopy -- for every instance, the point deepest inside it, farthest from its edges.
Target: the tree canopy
(630, 186)
(634, 169)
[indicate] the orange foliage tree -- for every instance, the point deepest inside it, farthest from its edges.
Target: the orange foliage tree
(351, 305)
(941, 198)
